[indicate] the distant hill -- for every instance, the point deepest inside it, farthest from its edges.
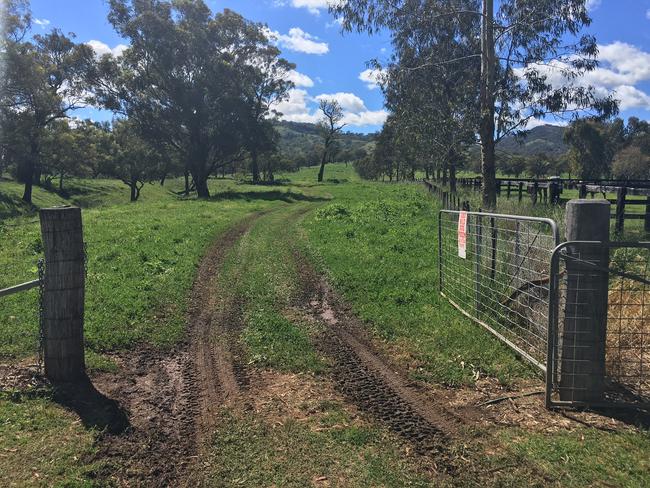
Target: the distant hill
(301, 141)
(543, 139)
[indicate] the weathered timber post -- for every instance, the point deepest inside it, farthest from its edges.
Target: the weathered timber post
(582, 366)
(621, 194)
(555, 192)
(478, 264)
(535, 192)
(582, 192)
(545, 194)
(508, 191)
(521, 191)
(647, 215)
(63, 294)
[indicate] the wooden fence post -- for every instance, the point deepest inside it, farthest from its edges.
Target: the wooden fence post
(585, 313)
(63, 294)
(621, 194)
(478, 263)
(582, 192)
(521, 191)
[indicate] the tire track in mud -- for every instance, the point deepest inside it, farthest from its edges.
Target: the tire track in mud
(172, 398)
(370, 381)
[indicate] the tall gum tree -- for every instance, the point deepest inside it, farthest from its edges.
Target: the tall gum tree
(532, 57)
(186, 79)
(45, 78)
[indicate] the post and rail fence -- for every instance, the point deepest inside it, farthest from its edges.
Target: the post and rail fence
(549, 191)
(62, 291)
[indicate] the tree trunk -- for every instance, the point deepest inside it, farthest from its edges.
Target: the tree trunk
(445, 167)
(187, 182)
(162, 180)
(134, 191)
(486, 130)
(255, 169)
(321, 172)
(202, 189)
(29, 184)
(452, 176)
(61, 183)
(28, 172)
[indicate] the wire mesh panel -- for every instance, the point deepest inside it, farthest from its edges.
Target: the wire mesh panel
(496, 270)
(599, 341)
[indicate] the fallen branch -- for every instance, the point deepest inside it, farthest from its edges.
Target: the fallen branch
(511, 397)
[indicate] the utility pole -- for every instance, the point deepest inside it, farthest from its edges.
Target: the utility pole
(487, 124)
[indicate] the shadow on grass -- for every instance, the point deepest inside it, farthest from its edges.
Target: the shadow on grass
(12, 207)
(95, 409)
(285, 196)
(629, 416)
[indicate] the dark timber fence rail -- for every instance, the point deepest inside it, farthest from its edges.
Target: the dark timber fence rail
(549, 191)
(62, 290)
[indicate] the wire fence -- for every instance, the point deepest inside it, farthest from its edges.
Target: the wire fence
(599, 341)
(496, 270)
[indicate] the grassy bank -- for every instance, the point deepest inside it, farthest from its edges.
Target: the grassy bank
(379, 244)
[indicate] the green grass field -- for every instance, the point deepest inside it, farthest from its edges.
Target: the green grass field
(375, 242)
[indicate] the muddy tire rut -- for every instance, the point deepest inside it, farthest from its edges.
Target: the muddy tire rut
(172, 399)
(368, 379)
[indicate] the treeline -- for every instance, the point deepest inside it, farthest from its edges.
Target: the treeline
(193, 94)
(596, 150)
(472, 72)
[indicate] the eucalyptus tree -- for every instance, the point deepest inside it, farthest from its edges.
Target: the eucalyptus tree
(188, 79)
(531, 55)
(45, 78)
(267, 84)
(330, 128)
(135, 160)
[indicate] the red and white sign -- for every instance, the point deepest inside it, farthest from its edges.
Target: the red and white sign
(462, 235)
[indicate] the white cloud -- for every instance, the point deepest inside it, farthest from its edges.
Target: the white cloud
(295, 108)
(299, 41)
(42, 22)
(593, 4)
(632, 97)
(371, 77)
(347, 101)
(300, 107)
(367, 117)
(338, 22)
(532, 123)
(314, 6)
(300, 79)
(101, 48)
(622, 67)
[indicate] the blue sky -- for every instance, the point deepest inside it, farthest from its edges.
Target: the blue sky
(329, 63)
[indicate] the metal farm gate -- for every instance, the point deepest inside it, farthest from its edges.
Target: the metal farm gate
(599, 327)
(578, 311)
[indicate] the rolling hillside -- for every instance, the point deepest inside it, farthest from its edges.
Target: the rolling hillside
(301, 141)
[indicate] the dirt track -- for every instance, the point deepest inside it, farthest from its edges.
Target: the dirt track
(367, 378)
(171, 399)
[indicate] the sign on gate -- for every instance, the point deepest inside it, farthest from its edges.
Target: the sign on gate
(462, 235)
